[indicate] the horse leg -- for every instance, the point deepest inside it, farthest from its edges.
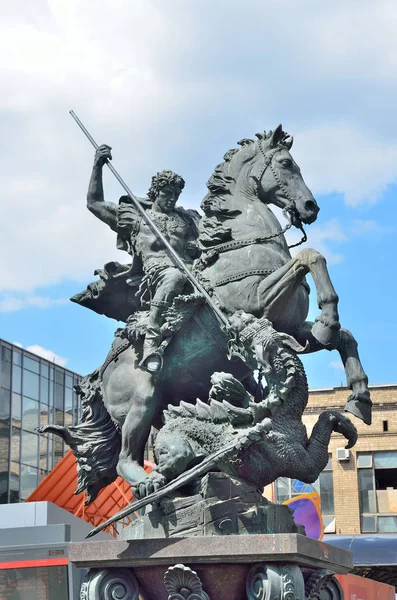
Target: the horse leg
(326, 326)
(279, 287)
(359, 402)
(308, 462)
(134, 435)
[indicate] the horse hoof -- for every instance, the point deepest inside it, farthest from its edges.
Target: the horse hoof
(359, 405)
(326, 335)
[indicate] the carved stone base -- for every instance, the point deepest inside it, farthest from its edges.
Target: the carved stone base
(218, 506)
(263, 582)
(108, 584)
(254, 567)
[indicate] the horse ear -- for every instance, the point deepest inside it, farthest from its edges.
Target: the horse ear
(288, 141)
(277, 136)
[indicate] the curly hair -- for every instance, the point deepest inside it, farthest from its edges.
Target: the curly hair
(162, 179)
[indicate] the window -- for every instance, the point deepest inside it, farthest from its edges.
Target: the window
(68, 399)
(75, 408)
(16, 410)
(43, 445)
(59, 417)
(17, 357)
(68, 406)
(30, 414)
(50, 452)
(31, 363)
(45, 369)
(28, 481)
(30, 384)
(377, 480)
(16, 444)
(44, 414)
(58, 449)
(30, 444)
(364, 460)
(16, 379)
(4, 455)
(5, 400)
(14, 479)
(6, 375)
(59, 376)
(5, 353)
(59, 396)
(288, 488)
(51, 393)
(44, 393)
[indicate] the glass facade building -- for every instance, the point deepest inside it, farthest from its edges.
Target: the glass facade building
(33, 392)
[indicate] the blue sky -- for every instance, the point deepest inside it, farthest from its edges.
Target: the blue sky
(174, 85)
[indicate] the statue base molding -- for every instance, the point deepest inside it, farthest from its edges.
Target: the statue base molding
(234, 567)
(216, 505)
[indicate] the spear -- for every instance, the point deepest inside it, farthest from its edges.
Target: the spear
(173, 255)
(241, 443)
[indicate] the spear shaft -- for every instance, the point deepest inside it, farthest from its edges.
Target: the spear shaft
(173, 255)
(197, 471)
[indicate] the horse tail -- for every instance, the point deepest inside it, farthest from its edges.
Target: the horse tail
(95, 441)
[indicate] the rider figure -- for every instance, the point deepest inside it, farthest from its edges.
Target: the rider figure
(163, 279)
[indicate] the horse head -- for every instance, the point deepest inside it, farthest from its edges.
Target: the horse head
(261, 169)
(280, 181)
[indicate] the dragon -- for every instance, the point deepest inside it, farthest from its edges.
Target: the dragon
(267, 438)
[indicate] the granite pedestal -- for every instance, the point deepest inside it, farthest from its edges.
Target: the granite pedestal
(232, 567)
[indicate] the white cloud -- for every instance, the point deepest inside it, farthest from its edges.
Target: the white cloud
(357, 163)
(47, 354)
(173, 85)
(369, 228)
(13, 303)
(44, 353)
(320, 237)
(336, 364)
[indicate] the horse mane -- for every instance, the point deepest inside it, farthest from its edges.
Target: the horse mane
(221, 181)
(216, 204)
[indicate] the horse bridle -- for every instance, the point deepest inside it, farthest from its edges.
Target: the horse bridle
(288, 210)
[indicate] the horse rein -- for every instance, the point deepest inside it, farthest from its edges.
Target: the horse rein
(212, 252)
(291, 207)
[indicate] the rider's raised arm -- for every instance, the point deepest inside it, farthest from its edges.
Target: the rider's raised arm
(105, 211)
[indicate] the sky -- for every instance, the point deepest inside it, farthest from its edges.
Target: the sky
(174, 85)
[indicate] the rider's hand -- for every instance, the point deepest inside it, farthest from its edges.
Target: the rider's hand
(192, 249)
(102, 155)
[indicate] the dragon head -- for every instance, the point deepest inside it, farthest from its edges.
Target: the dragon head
(275, 353)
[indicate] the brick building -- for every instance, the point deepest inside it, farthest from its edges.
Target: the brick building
(358, 488)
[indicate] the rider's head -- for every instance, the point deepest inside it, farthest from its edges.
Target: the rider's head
(165, 190)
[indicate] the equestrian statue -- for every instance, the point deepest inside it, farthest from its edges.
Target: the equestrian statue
(207, 302)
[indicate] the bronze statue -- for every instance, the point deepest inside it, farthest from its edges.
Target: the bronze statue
(200, 319)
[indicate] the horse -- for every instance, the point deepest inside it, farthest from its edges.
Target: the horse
(247, 265)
